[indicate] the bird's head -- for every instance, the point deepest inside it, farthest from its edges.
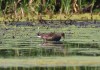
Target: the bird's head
(63, 35)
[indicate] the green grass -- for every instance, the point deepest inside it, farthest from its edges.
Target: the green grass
(84, 16)
(50, 61)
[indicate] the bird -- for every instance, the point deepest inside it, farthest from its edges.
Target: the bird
(52, 36)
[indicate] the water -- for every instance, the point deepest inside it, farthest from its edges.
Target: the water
(53, 68)
(22, 42)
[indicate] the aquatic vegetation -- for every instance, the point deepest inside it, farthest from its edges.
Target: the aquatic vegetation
(20, 42)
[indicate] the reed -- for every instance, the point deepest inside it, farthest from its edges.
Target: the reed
(26, 7)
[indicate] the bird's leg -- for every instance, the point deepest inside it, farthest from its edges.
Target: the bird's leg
(44, 40)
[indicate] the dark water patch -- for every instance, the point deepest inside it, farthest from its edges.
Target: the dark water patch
(51, 49)
(6, 53)
(81, 45)
(87, 54)
(25, 23)
(53, 68)
(56, 23)
(61, 23)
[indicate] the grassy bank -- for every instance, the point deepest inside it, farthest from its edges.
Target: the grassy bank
(50, 61)
(30, 17)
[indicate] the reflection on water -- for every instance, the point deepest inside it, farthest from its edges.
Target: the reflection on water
(52, 49)
(52, 44)
(54, 68)
(43, 49)
(58, 48)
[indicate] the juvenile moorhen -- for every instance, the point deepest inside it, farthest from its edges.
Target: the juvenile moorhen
(52, 36)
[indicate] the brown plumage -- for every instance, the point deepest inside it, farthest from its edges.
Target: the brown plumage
(52, 36)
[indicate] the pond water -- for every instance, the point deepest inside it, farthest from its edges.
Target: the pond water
(53, 68)
(19, 39)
